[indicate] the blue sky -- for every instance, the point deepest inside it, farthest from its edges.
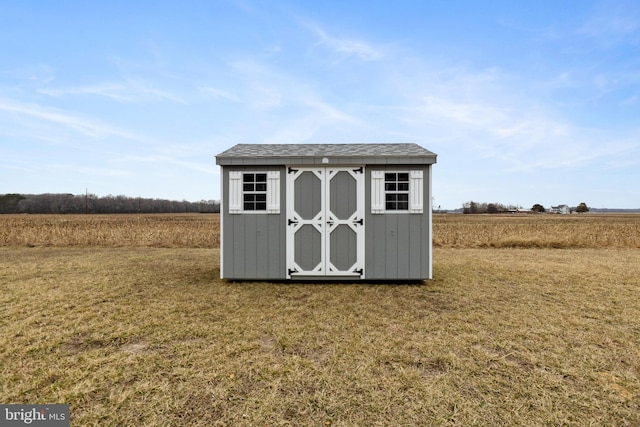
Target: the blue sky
(524, 102)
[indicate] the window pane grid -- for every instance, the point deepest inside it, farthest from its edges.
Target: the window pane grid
(254, 188)
(396, 186)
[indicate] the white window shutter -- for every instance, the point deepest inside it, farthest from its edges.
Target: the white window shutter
(415, 191)
(235, 192)
(273, 192)
(377, 192)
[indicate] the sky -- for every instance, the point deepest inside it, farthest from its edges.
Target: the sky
(523, 102)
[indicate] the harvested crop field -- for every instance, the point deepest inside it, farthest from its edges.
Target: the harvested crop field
(136, 330)
(537, 231)
(203, 231)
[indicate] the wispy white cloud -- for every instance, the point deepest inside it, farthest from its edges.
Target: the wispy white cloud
(14, 165)
(516, 121)
(109, 90)
(244, 5)
(36, 73)
(264, 96)
(612, 23)
(258, 85)
(295, 131)
(81, 125)
(328, 111)
(297, 109)
(129, 91)
(220, 93)
(106, 172)
(492, 115)
(345, 46)
(264, 87)
(522, 139)
(262, 74)
(161, 159)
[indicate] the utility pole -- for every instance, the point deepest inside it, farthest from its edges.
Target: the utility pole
(86, 200)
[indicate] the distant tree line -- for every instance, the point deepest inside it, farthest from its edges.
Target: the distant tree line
(484, 208)
(90, 203)
(493, 208)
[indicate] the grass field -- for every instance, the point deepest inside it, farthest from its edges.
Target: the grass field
(202, 231)
(168, 231)
(133, 326)
(537, 231)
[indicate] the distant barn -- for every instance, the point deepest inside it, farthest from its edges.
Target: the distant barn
(326, 211)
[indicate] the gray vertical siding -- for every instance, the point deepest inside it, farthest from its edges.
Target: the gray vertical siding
(253, 245)
(397, 245)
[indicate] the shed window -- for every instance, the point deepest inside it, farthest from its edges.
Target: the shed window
(254, 192)
(396, 191)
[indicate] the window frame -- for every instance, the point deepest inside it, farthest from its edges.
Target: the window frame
(414, 191)
(396, 187)
(254, 191)
(270, 188)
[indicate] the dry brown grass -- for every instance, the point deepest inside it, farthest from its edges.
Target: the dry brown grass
(152, 336)
(537, 231)
(157, 230)
(203, 231)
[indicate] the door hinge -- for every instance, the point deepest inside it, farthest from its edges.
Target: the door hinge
(292, 270)
(291, 170)
(360, 271)
(291, 221)
(359, 221)
(359, 170)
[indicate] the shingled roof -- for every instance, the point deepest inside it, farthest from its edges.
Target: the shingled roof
(261, 154)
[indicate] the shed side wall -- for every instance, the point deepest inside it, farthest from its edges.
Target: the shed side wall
(398, 245)
(254, 243)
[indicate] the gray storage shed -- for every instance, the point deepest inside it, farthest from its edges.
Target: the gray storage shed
(326, 211)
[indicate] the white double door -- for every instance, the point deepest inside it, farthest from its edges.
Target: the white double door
(325, 221)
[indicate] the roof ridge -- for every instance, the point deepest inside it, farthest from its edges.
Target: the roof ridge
(331, 149)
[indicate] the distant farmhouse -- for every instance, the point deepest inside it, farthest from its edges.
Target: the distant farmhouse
(560, 209)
